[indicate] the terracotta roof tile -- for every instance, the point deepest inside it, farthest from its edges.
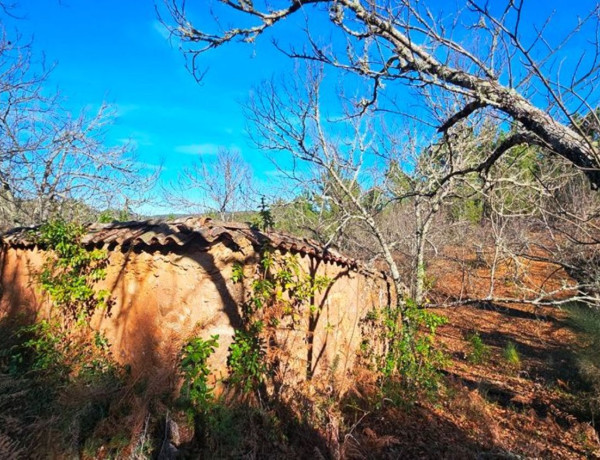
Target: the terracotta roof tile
(183, 231)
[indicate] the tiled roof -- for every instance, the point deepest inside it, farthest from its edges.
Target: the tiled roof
(181, 232)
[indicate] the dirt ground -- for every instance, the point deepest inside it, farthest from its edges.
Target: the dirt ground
(492, 409)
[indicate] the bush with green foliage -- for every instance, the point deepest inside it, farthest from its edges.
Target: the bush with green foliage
(585, 320)
(409, 361)
(40, 349)
(195, 371)
(479, 352)
(246, 362)
(512, 355)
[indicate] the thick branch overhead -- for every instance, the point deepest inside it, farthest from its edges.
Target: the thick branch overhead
(423, 53)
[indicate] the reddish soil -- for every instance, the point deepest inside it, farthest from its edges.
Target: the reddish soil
(492, 409)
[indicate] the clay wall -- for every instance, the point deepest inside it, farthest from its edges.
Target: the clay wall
(159, 297)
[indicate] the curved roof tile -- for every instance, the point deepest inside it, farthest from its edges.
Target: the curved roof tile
(200, 230)
(184, 231)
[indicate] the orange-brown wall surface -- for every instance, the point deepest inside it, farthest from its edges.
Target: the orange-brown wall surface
(160, 297)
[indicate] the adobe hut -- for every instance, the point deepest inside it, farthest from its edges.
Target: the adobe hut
(168, 280)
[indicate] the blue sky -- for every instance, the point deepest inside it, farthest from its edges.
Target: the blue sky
(117, 51)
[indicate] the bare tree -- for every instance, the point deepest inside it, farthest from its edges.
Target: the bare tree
(535, 235)
(223, 186)
(299, 128)
(361, 170)
(483, 62)
(499, 64)
(546, 215)
(52, 163)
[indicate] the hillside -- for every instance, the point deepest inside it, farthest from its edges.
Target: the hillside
(492, 409)
(534, 403)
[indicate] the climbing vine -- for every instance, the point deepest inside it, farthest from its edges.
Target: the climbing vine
(64, 342)
(67, 386)
(281, 292)
(70, 270)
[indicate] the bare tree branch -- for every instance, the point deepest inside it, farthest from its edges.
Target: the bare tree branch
(404, 42)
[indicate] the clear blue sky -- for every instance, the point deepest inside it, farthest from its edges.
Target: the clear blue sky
(117, 51)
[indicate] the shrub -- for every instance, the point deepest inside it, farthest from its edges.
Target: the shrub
(195, 371)
(40, 349)
(479, 351)
(57, 387)
(418, 361)
(409, 362)
(242, 431)
(585, 321)
(511, 355)
(246, 362)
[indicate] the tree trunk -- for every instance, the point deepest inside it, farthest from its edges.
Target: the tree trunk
(422, 229)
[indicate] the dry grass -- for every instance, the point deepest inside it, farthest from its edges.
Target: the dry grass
(489, 408)
(485, 409)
